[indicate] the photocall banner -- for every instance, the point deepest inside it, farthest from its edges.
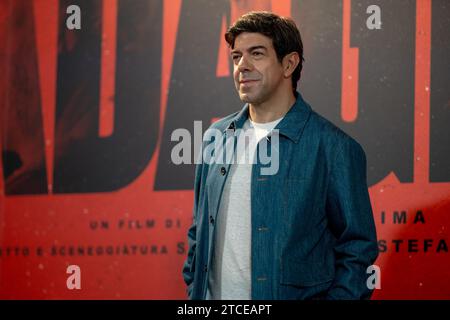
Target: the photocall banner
(91, 92)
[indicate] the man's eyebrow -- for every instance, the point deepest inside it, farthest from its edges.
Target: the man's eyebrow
(250, 49)
(256, 47)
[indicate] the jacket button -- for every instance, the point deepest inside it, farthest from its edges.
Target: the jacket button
(261, 279)
(205, 268)
(223, 171)
(211, 219)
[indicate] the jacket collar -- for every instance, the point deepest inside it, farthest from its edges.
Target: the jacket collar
(292, 124)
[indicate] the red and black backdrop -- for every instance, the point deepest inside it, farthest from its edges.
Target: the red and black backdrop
(86, 117)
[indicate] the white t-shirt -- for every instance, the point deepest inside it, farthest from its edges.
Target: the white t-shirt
(230, 274)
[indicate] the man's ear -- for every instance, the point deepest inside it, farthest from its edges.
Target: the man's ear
(290, 62)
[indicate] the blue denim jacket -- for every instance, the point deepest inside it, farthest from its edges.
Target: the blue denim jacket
(313, 234)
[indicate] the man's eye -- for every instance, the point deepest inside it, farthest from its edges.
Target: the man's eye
(257, 53)
(235, 57)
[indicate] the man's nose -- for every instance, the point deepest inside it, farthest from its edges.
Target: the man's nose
(244, 64)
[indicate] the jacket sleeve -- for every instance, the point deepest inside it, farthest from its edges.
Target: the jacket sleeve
(351, 221)
(189, 264)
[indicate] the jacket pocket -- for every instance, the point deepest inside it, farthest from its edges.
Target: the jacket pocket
(304, 281)
(306, 274)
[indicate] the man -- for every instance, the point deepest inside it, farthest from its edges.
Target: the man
(304, 232)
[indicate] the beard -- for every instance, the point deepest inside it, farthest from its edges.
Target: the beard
(254, 95)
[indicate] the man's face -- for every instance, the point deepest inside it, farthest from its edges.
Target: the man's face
(257, 72)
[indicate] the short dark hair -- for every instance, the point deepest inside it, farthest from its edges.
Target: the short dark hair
(283, 32)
